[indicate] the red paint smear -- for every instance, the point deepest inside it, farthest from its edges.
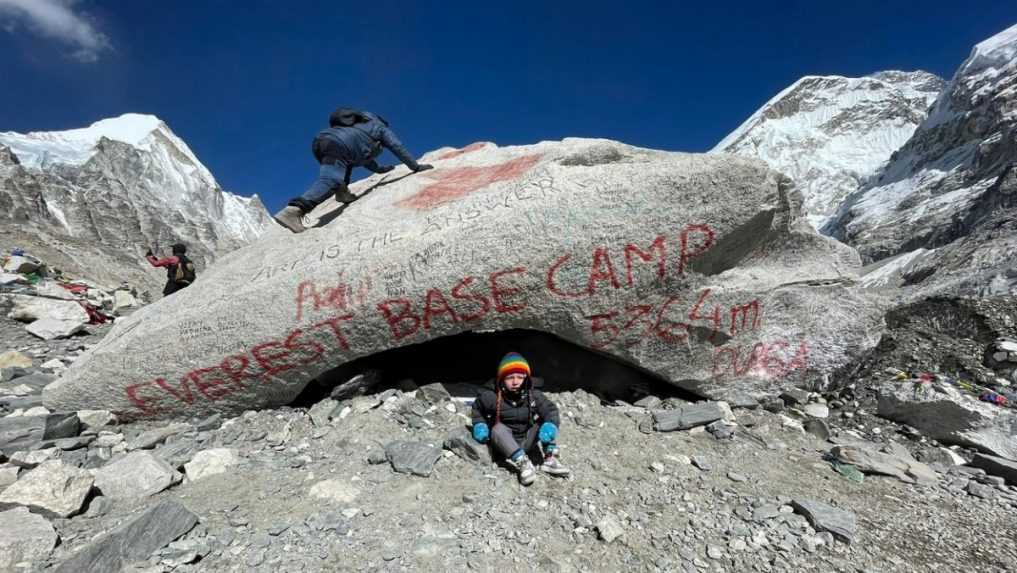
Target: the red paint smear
(463, 151)
(455, 183)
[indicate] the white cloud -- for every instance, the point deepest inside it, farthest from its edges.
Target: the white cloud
(56, 19)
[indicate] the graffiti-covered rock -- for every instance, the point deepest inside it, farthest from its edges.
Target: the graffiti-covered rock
(696, 268)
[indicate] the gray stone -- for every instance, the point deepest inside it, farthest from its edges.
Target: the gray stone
(321, 412)
(93, 419)
(461, 443)
(35, 381)
(152, 438)
(69, 444)
(702, 463)
(816, 410)
(14, 359)
(980, 490)
(608, 529)
(135, 540)
(177, 453)
(871, 462)
(433, 393)
(138, 474)
(648, 402)
(8, 475)
(736, 477)
(29, 460)
(417, 458)
(942, 456)
(841, 523)
(746, 230)
(1004, 468)
(24, 433)
(53, 488)
(721, 429)
(737, 399)
(356, 386)
(209, 423)
(51, 329)
(211, 462)
(32, 309)
(817, 428)
(24, 536)
(795, 396)
(943, 413)
(690, 416)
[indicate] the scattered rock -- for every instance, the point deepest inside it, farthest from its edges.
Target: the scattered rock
(433, 393)
(461, 443)
(211, 462)
(52, 488)
(24, 536)
(816, 410)
(943, 413)
(417, 458)
(8, 475)
(870, 462)
(138, 474)
(135, 540)
(701, 463)
(25, 433)
(817, 428)
(690, 416)
(608, 529)
(648, 402)
(980, 490)
(997, 466)
(841, 523)
(736, 477)
(152, 438)
(51, 328)
(334, 490)
(13, 358)
(29, 460)
(795, 396)
(321, 412)
(96, 418)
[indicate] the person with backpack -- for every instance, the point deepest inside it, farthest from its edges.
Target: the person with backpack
(354, 139)
(180, 271)
(519, 421)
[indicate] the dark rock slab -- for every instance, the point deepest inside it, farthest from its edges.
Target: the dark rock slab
(136, 540)
(462, 444)
(417, 458)
(997, 466)
(26, 433)
(841, 523)
(689, 416)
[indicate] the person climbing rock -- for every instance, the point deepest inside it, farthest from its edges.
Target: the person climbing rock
(354, 139)
(179, 269)
(518, 420)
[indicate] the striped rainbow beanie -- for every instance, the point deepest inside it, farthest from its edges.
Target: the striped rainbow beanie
(512, 363)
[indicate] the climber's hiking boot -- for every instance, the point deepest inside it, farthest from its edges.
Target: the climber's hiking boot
(292, 218)
(344, 196)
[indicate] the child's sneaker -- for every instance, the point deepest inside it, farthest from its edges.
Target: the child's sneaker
(553, 466)
(524, 467)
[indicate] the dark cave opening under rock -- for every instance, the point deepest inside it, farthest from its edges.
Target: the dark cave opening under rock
(463, 362)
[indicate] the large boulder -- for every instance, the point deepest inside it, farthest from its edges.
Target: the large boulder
(698, 269)
(24, 536)
(138, 474)
(26, 308)
(50, 328)
(944, 413)
(54, 489)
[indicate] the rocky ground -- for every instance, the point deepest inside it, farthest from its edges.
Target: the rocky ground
(318, 489)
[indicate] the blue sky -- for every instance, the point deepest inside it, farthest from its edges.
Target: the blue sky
(248, 84)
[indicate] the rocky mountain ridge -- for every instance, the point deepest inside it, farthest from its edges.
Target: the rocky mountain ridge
(92, 200)
(831, 133)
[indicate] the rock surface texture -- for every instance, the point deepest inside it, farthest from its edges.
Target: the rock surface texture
(696, 268)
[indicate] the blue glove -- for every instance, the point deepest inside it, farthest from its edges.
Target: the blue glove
(548, 432)
(481, 432)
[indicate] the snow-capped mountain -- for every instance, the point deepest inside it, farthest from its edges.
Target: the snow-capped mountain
(831, 133)
(95, 198)
(950, 193)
